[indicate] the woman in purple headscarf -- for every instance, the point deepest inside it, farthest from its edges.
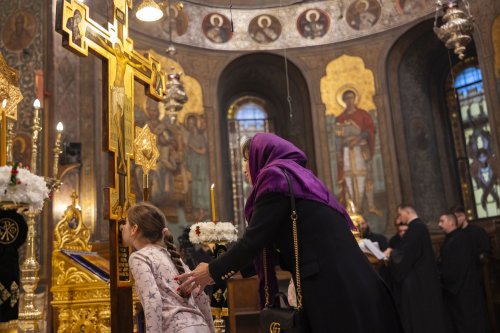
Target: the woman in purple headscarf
(341, 292)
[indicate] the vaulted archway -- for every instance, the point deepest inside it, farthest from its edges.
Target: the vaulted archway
(263, 76)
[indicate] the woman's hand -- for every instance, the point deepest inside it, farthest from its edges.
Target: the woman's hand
(199, 277)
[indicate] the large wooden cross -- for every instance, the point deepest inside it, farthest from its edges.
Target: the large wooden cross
(122, 65)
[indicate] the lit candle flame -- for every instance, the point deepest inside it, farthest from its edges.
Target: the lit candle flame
(4, 104)
(36, 104)
(212, 199)
(59, 127)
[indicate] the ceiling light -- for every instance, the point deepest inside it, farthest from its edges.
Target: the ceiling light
(149, 11)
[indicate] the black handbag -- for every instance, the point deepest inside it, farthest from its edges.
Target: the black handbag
(287, 319)
(277, 319)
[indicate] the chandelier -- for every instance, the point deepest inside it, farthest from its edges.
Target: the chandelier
(175, 95)
(150, 10)
(457, 28)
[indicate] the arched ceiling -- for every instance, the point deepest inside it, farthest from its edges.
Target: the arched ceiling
(267, 25)
(248, 4)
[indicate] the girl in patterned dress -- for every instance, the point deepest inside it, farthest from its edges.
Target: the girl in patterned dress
(154, 265)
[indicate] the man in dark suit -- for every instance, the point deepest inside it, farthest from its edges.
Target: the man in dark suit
(478, 236)
(462, 291)
(416, 281)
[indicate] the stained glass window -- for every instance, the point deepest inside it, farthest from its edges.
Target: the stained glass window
(482, 162)
(246, 117)
(251, 118)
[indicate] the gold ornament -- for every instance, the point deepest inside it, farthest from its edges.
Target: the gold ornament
(456, 32)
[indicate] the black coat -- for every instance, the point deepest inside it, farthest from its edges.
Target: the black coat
(479, 240)
(341, 291)
(395, 241)
(416, 282)
(462, 291)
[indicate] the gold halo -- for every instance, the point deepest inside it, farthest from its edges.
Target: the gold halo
(220, 18)
(310, 12)
(341, 92)
(262, 18)
(361, 3)
(175, 10)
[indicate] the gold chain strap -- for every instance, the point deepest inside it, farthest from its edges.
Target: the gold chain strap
(298, 288)
(296, 250)
(297, 271)
(266, 287)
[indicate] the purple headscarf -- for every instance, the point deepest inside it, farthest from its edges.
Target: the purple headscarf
(269, 154)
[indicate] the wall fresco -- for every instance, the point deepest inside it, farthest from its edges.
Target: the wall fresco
(301, 26)
(353, 141)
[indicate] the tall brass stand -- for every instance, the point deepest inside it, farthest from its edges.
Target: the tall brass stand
(218, 299)
(29, 315)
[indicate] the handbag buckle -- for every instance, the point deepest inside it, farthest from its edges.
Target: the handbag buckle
(274, 327)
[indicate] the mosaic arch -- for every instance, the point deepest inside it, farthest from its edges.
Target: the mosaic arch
(299, 24)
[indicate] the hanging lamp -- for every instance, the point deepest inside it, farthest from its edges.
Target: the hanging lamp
(149, 11)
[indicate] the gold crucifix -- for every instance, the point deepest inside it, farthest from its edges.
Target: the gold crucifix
(123, 65)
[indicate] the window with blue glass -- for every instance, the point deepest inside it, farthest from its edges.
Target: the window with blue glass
(247, 116)
(251, 117)
(481, 160)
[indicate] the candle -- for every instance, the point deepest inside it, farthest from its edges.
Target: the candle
(10, 142)
(3, 135)
(36, 129)
(212, 199)
(57, 150)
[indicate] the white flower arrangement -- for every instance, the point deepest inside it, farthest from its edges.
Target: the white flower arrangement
(210, 232)
(20, 186)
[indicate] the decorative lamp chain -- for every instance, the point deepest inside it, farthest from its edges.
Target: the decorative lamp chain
(231, 15)
(175, 94)
(287, 79)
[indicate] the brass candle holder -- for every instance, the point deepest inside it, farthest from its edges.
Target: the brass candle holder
(36, 128)
(57, 150)
(3, 133)
(10, 142)
(29, 315)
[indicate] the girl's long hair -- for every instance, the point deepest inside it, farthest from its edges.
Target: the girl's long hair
(151, 222)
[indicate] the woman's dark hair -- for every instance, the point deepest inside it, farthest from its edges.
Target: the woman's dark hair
(245, 148)
(151, 221)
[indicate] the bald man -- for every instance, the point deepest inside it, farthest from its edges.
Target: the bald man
(417, 290)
